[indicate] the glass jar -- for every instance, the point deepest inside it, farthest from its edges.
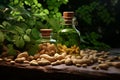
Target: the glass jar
(69, 35)
(47, 43)
(46, 36)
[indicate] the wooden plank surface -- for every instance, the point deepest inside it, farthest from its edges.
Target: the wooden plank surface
(80, 72)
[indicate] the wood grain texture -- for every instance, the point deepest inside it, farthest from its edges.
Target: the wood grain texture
(58, 72)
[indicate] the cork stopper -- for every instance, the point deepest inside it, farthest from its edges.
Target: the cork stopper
(68, 16)
(46, 32)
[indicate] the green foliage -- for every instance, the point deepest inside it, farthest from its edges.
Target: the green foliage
(11, 49)
(94, 12)
(19, 28)
(21, 20)
(91, 41)
(93, 17)
(1, 36)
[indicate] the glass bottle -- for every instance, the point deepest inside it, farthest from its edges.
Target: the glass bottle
(46, 36)
(47, 43)
(69, 35)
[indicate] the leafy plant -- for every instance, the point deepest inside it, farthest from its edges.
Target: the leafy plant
(94, 13)
(22, 20)
(91, 41)
(93, 18)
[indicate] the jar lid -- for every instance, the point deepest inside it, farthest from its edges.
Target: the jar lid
(45, 32)
(68, 14)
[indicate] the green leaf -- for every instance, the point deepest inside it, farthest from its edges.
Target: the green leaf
(28, 31)
(58, 14)
(8, 38)
(36, 15)
(18, 41)
(19, 30)
(11, 50)
(39, 5)
(26, 38)
(35, 34)
(1, 36)
(55, 9)
(13, 31)
(20, 18)
(5, 23)
(24, 26)
(30, 22)
(27, 3)
(42, 14)
(1, 26)
(16, 1)
(32, 48)
(35, 1)
(65, 2)
(46, 11)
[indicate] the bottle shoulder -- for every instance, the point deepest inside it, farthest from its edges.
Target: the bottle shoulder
(68, 30)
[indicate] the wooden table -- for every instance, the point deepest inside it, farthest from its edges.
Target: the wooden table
(58, 72)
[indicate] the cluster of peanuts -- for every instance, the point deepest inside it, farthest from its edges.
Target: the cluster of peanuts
(47, 48)
(72, 50)
(48, 54)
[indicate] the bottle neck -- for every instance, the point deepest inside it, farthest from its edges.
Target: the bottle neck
(67, 26)
(46, 37)
(69, 21)
(70, 25)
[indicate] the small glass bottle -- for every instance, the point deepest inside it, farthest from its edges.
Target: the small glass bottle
(47, 43)
(46, 36)
(69, 35)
